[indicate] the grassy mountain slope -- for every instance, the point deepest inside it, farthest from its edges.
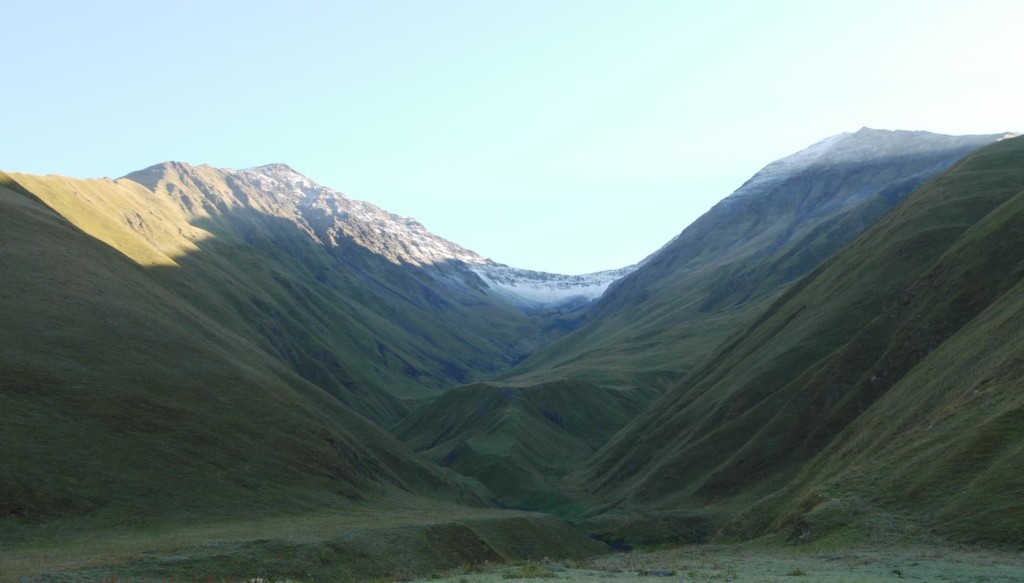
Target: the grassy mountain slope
(144, 438)
(371, 332)
(520, 441)
(654, 325)
(858, 382)
(122, 402)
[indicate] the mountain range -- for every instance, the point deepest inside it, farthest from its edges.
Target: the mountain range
(833, 344)
(886, 378)
(652, 327)
(367, 305)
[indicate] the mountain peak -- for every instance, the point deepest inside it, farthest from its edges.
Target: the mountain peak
(276, 167)
(331, 217)
(168, 166)
(282, 173)
(864, 145)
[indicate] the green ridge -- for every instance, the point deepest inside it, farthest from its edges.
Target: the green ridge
(147, 438)
(850, 395)
(520, 440)
(124, 400)
(183, 363)
(654, 326)
(376, 335)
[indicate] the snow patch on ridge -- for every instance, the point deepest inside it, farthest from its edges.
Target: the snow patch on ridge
(864, 145)
(401, 240)
(329, 215)
(548, 288)
(779, 170)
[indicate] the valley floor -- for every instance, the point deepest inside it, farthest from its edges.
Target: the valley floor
(356, 544)
(362, 548)
(764, 565)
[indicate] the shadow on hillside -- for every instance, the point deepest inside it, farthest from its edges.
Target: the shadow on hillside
(737, 248)
(376, 334)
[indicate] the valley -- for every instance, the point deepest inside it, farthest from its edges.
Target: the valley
(216, 374)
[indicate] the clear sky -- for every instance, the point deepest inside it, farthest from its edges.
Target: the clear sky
(559, 135)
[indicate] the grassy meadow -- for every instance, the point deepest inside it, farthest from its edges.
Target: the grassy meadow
(395, 538)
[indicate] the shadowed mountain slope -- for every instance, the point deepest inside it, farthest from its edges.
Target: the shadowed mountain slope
(367, 305)
(119, 397)
(654, 325)
(887, 378)
(126, 409)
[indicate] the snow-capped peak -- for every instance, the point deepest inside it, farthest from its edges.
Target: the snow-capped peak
(329, 216)
(282, 179)
(781, 169)
(864, 145)
(332, 215)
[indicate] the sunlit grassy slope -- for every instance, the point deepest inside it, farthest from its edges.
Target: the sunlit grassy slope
(373, 334)
(120, 400)
(886, 380)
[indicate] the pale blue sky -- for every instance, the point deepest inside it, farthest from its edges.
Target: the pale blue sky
(566, 136)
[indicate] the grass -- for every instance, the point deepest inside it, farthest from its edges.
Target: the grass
(363, 541)
(183, 412)
(654, 328)
(650, 332)
(730, 264)
(223, 246)
(520, 440)
(760, 564)
(175, 352)
(143, 415)
(889, 375)
(528, 571)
